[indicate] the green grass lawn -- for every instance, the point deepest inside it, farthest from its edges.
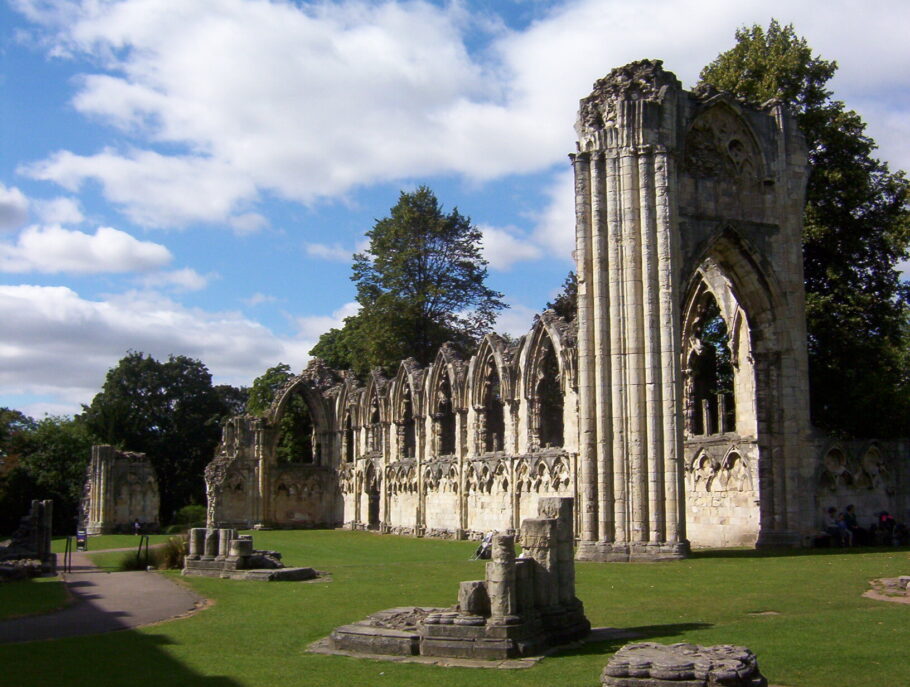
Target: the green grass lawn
(803, 615)
(108, 541)
(29, 597)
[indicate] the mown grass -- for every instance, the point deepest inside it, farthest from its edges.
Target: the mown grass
(30, 597)
(803, 615)
(108, 541)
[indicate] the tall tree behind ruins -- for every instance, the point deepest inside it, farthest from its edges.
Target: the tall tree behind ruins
(167, 410)
(857, 228)
(420, 283)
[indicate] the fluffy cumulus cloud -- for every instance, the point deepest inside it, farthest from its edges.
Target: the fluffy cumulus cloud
(13, 208)
(61, 210)
(312, 327)
(63, 344)
(53, 249)
(308, 100)
(503, 247)
(185, 279)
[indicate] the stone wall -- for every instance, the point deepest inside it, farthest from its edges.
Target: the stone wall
(674, 409)
(120, 488)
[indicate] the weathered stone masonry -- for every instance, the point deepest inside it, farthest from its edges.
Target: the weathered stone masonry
(674, 409)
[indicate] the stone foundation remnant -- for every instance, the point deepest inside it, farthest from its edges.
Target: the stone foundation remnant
(683, 665)
(524, 606)
(29, 552)
(120, 488)
(224, 553)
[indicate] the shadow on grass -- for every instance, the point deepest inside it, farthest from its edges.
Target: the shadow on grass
(117, 658)
(606, 640)
(780, 553)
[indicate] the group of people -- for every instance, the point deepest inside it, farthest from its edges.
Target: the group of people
(844, 529)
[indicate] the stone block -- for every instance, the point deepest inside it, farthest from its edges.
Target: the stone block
(648, 664)
(473, 598)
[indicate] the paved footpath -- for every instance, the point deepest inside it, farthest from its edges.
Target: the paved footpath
(104, 602)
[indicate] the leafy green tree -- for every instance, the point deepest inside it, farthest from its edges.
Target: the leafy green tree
(420, 283)
(565, 304)
(57, 451)
(266, 386)
(171, 412)
(857, 228)
(14, 428)
(232, 398)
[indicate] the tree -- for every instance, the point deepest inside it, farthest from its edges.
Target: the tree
(565, 304)
(171, 412)
(56, 454)
(857, 228)
(266, 386)
(420, 283)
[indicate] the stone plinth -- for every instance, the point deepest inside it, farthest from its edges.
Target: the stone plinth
(682, 665)
(222, 553)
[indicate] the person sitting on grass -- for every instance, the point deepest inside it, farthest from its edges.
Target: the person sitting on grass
(834, 527)
(857, 532)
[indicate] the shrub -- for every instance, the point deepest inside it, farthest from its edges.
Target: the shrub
(167, 556)
(191, 516)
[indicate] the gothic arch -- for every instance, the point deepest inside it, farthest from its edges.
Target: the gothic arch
(407, 406)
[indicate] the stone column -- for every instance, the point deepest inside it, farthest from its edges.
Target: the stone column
(196, 544)
(613, 417)
(210, 550)
(501, 581)
(587, 431)
(560, 509)
(539, 541)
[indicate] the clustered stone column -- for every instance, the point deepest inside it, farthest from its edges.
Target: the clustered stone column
(524, 605)
(629, 334)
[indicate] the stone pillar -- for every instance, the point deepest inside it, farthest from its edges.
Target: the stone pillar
(560, 509)
(196, 544)
(210, 550)
(539, 541)
(501, 581)
(224, 542)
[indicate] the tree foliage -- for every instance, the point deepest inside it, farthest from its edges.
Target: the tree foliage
(266, 386)
(420, 283)
(565, 303)
(168, 410)
(857, 228)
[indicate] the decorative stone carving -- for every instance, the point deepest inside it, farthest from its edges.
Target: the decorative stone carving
(688, 665)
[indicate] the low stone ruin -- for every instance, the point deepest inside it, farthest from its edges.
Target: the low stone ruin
(524, 606)
(29, 552)
(682, 665)
(223, 553)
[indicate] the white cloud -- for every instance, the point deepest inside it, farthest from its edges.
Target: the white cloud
(555, 225)
(58, 211)
(503, 247)
(248, 223)
(335, 252)
(13, 208)
(54, 249)
(62, 345)
(305, 101)
(312, 327)
(257, 299)
(516, 321)
(185, 279)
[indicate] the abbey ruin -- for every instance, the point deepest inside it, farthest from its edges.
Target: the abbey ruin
(674, 409)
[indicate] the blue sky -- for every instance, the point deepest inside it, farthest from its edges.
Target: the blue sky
(192, 176)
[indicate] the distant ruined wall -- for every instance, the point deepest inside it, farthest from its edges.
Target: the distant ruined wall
(120, 488)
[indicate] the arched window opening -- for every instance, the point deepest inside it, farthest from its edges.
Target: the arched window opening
(348, 438)
(407, 435)
(295, 432)
(445, 418)
(494, 426)
(710, 406)
(374, 431)
(549, 399)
